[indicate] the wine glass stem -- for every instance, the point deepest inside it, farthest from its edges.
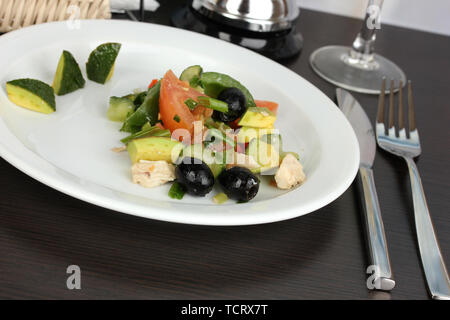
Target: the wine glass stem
(365, 40)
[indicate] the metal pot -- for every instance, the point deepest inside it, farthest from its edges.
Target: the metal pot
(252, 15)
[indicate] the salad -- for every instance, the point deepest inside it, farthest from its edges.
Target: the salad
(194, 131)
(202, 129)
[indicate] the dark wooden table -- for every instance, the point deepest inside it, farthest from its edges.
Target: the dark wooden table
(318, 256)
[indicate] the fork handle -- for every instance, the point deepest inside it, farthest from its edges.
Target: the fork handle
(430, 253)
(376, 238)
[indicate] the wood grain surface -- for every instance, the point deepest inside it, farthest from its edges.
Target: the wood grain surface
(318, 256)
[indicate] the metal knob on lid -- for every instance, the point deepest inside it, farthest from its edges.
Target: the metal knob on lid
(252, 15)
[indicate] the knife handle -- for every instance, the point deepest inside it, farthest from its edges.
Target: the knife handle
(430, 253)
(376, 238)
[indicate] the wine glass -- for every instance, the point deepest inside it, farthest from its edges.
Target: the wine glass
(358, 68)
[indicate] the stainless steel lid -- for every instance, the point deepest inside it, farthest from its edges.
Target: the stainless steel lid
(253, 15)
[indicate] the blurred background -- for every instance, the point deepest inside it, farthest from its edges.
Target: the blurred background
(430, 15)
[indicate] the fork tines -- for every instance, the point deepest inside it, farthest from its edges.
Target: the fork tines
(402, 131)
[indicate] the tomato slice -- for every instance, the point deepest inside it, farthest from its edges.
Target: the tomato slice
(174, 113)
(272, 106)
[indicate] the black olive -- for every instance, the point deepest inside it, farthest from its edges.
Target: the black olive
(195, 176)
(237, 105)
(239, 183)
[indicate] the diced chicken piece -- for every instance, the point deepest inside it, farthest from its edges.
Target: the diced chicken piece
(242, 160)
(290, 173)
(151, 174)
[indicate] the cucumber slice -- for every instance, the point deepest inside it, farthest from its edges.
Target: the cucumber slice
(140, 97)
(131, 96)
(68, 77)
(100, 65)
(192, 75)
(119, 108)
(275, 140)
(111, 72)
(32, 94)
(272, 138)
(147, 112)
(264, 153)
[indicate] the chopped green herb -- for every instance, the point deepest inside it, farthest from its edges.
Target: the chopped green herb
(160, 133)
(176, 191)
(148, 131)
(191, 103)
(176, 118)
(220, 198)
(194, 82)
(211, 124)
(136, 135)
(214, 104)
(147, 125)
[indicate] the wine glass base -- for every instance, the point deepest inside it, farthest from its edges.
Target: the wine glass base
(328, 62)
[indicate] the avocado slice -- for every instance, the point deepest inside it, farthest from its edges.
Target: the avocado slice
(154, 149)
(32, 94)
(258, 118)
(68, 77)
(100, 65)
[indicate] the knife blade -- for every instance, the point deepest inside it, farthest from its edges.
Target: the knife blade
(380, 265)
(361, 125)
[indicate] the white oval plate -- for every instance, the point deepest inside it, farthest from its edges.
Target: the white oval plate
(70, 150)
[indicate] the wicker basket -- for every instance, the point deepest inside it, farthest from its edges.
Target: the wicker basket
(15, 14)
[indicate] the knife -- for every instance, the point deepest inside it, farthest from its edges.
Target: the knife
(376, 239)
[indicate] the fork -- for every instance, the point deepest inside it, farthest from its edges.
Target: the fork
(406, 144)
